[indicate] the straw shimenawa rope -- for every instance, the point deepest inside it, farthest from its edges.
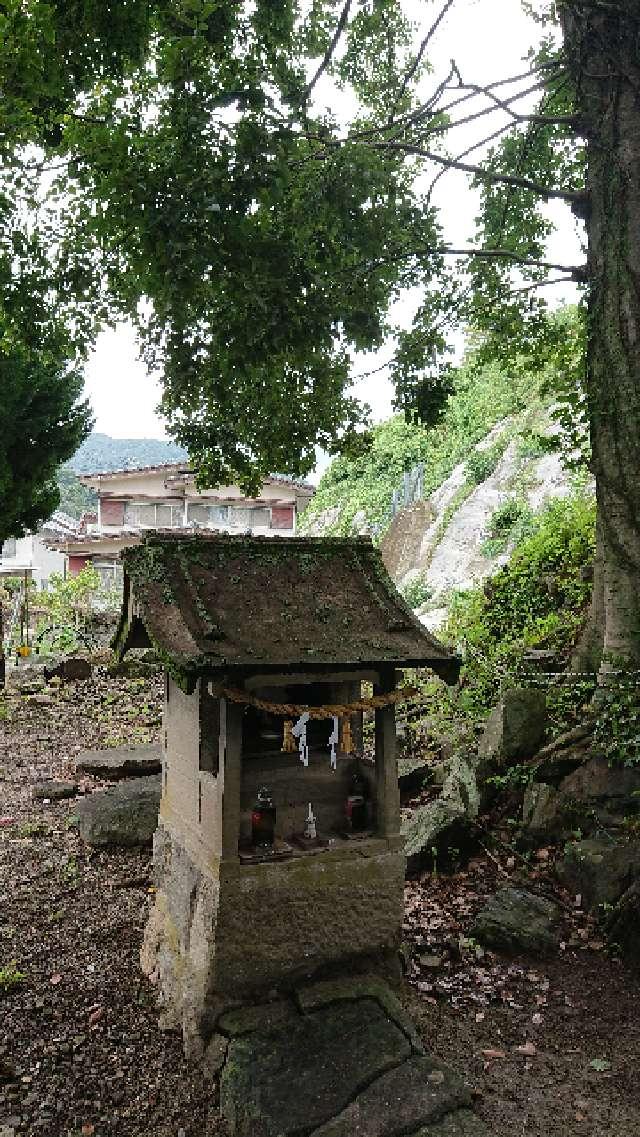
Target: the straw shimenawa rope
(327, 710)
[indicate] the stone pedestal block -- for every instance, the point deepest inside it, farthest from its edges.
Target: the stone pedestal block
(227, 931)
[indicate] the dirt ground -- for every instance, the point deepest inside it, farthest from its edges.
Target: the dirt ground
(550, 1048)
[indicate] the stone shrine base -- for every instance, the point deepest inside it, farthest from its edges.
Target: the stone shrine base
(339, 1058)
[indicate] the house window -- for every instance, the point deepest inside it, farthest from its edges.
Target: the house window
(249, 517)
(153, 515)
(282, 517)
(9, 548)
(198, 514)
(209, 516)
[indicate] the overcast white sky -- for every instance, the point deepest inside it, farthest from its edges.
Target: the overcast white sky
(488, 39)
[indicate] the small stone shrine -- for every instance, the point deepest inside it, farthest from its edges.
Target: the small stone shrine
(278, 855)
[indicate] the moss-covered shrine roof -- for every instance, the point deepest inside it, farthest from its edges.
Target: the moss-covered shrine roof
(221, 603)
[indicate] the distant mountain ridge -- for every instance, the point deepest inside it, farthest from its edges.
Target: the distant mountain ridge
(101, 453)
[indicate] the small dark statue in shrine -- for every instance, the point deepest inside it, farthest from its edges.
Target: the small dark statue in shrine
(278, 851)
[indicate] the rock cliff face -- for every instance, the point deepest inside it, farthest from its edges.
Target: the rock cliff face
(443, 542)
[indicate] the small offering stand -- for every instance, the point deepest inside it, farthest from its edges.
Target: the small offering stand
(278, 850)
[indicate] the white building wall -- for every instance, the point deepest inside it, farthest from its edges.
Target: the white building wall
(32, 556)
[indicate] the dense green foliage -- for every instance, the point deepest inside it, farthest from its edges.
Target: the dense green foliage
(75, 499)
(42, 420)
(100, 452)
(194, 170)
(538, 600)
(481, 399)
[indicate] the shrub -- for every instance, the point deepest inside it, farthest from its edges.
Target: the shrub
(537, 600)
(417, 592)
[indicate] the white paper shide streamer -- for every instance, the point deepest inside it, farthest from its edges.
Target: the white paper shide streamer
(299, 731)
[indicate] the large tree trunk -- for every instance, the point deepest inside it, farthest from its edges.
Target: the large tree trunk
(603, 48)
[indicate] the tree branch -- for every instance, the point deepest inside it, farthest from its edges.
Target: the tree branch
(340, 26)
(544, 192)
(577, 271)
(408, 76)
(504, 104)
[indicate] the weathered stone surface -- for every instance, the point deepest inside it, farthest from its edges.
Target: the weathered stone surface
(547, 812)
(54, 790)
(195, 940)
(564, 754)
(417, 1093)
(623, 925)
(400, 546)
(121, 761)
(514, 920)
(431, 825)
(124, 815)
(314, 996)
(515, 728)
(71, 669)
(302, 906)
(263, 1017)
(462, 1123)
(215, 1054)
(600, 869)
(296, 1078)
(614, 787)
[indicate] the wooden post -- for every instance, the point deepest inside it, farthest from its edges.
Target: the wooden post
(387, 789)
(232, 769)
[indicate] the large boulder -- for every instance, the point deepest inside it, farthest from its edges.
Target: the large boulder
(515, 921)
(623, 925)
(549, 814)
(516, 726)
(612, 790)
(444, 819)
(599, 870)
(124, 815)
(121, 761)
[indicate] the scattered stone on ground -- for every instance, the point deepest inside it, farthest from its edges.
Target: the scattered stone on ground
(53, 789)
(599, 870)
(515, 920)
(516, 727)
(548, 813)
(611, 790)
(124, 815)
(120, 761)
(72, 669)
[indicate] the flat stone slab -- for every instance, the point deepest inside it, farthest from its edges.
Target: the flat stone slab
(323, 993)
(123, 815)
(121, 761)
(53, 790)
(419, 1092)
(245, 1020)
(293, 1079)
